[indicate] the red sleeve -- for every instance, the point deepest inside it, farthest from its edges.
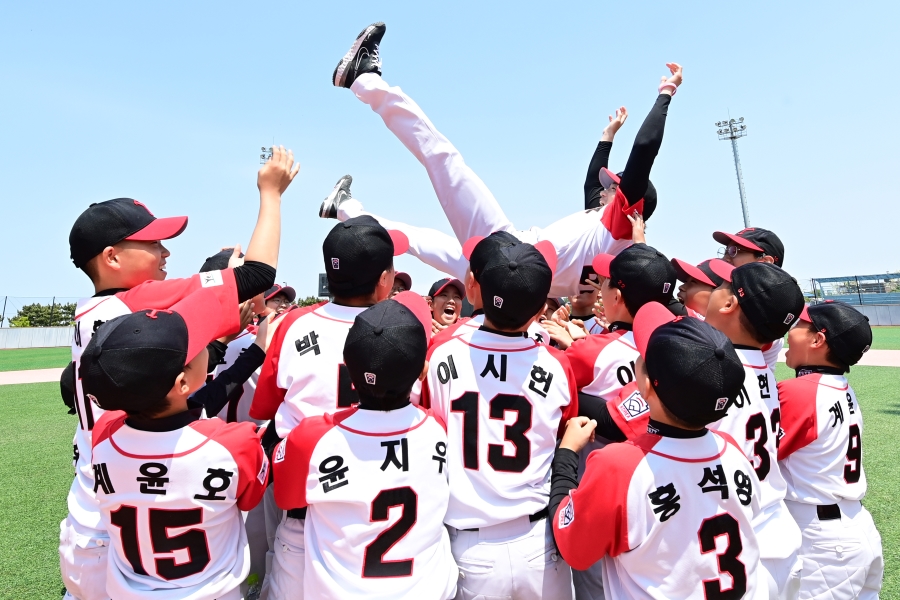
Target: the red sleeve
(425, 396)
(268, 396)
(242, 442)
(448, 333)
(292, 457)
(106, 425)
(571, 410)
(583, 353)
(615, 217)
(592, 521)
(630, 412)
(798, 413)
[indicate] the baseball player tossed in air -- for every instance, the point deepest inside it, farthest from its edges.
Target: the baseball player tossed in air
(756, 304)
(504, 397)
(671, 510)
(821, 455)
(118, 245)
(373, 479)
(470, 207)
(170, 484)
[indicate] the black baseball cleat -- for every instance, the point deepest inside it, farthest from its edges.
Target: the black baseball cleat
(339, 194)
(361, 58)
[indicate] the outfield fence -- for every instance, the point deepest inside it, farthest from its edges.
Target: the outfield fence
(876, 296)
(35, 337)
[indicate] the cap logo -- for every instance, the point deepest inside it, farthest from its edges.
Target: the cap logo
(144, 206)
(335, 263)
(152, 314)
(370, 378)
(621, 284)
(866, 349)
(789, 318)
(721, 403)
(498, 301)
(666, 287)
(741, 292)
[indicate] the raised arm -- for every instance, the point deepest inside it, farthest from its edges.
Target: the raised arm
(600, 159)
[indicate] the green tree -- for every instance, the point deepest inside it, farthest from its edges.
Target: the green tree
(308, 301)
(44, 315)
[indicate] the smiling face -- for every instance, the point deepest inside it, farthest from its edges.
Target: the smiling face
(446, 305)
(139, 262)
(277, 303)
(695, 295)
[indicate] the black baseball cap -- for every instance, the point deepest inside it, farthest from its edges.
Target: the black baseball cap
(769, 297)
(132, 361)
(289, 292)
(357, 251)
(218, 261)
(438, 286)
(108, 223)
(755, 239)
(693, 367)
(385, 351)
(514, 276)
(607, 178)
(702, 272)
(641, 272)
(846, 330)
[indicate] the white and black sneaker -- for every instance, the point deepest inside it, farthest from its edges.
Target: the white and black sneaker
(361, 58)
(339, 194)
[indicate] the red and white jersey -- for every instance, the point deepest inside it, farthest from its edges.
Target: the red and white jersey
(90, 314)
(172, 501)
(304, 373)
(594, 327)
(503, 399)
(771, 351)
(604, 363)
(535, 331)
(821, 451)
(672, 516)
(376, 487)
(238, 410)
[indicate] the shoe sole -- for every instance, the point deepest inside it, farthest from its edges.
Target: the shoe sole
(340, 72)
(328, 209)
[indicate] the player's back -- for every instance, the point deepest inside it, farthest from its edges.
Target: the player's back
(821, 452)
(171, 494)
(376, 486)
(604, 363)
(503, 398)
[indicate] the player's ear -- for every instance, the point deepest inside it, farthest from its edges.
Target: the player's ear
(767, 259)
(109, 258)
(818, 340)
(424, 372)
(473, 289)
(643, 379)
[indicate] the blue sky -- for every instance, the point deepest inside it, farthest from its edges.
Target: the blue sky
(170, 102)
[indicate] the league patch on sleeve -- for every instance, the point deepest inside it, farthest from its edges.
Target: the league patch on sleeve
(211, 278)
(264, 470)
(633, 406)
(567, 515)
(279, 451)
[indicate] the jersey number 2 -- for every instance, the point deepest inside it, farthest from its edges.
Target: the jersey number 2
(467, 404)
(374, 564)
(728, 562)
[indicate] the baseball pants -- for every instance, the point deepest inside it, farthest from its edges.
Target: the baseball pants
(82, 560)
(779, 545)
(272, 516)
(468, 204)
(841, 558)
(517, 560)
(285, 582)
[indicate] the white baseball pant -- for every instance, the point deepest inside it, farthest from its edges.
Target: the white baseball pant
(779, 541)
(83, 553)
(285, 582)
(468, 204)
(273, 517)
(517, 560)
(842, 558)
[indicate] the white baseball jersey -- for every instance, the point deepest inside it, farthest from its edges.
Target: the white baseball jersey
(376, 487)
(604, 363)
(503, 399)
(535, 331)
(304, 373)
(238, 409)
(90, 314)
(821, 452)
(171, 499)
(771, 351)
(671, 516)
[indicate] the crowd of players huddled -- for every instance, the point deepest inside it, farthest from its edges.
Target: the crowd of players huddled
(558, 418)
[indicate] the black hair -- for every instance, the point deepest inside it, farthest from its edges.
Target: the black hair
(505, 322)
(90, 269)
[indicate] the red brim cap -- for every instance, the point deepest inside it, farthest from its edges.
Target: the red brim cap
(721, 268)
(601, 263)
(685, 269)
(469, 246)
(160, 229)
(804, 315)
(729, 238)
(648, 318)
(206, 318)
(418, 307)
(607, 178)
(401, 242)
(548, 251)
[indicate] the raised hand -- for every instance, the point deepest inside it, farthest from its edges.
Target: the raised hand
(668, 85)
(615, 123)
(277, 174)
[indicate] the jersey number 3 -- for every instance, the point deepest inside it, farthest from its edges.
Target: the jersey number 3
(374, 564)
(728, 562)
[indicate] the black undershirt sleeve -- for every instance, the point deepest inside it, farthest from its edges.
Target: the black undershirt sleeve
(646, 146)
(216, 394)
(563, 479)
(216, 350)
(592, 187)
(596, 408)
(253, 278)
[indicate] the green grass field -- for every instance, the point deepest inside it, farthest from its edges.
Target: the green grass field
(886, 338)
(34, 358)
(36, 470)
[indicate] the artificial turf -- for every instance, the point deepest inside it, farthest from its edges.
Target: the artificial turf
(36, 471)
(886, 338)
(21, 359)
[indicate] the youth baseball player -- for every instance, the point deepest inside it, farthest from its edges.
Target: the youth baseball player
(672, 510)
(698, 283)
(503, 397)
(373, 479)
(821, 455)
(445, 300)
(117, 244)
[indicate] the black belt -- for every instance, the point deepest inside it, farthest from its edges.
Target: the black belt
(828, 512)
(297, 513)
(541, 514)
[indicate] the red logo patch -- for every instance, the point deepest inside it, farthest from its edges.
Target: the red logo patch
(152, 314)
(144, 206)
(741, 292)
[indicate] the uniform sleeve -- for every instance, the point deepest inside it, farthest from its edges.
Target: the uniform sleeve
(292, 459)
(592, 187)
(269, 396)
(242, 442)
(218, 392)
(592, 522)
(582, 355)
(615, 216)
(630, 412)
(571, 409)
(797, 398)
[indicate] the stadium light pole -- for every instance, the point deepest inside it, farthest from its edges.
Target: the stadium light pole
(732, 129)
